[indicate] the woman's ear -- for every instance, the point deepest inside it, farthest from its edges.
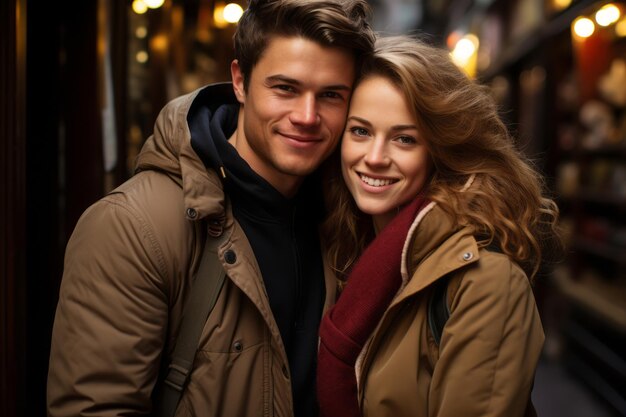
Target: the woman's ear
(238, 82)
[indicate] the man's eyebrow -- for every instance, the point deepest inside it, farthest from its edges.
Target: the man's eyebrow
(282, 79)
(288, 80)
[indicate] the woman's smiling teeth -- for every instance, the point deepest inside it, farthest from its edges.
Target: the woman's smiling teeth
(376, 182)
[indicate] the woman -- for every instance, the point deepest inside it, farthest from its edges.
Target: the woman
(434, 194)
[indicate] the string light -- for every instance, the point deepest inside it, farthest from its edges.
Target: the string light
(583, 27)
(154, 4)
(141, 32)
(465, 52)
(620, 28)
(139, 7)
(608, 14)
(561, 4)
(142, 57)
(232, 12)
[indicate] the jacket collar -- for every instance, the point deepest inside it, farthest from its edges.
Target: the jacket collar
(434, 247)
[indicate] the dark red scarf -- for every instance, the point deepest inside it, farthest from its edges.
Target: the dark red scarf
(373, 282)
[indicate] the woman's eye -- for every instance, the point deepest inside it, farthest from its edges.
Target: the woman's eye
(406, 140)
(359, 131)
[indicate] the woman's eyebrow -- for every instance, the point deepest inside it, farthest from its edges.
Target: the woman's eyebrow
(360, 120)
(404, 127)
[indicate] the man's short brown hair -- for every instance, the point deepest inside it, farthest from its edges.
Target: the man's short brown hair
(335, 23)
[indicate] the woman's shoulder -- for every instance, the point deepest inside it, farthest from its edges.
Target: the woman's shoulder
(493, 278)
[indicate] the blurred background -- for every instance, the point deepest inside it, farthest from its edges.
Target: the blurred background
(81, 84)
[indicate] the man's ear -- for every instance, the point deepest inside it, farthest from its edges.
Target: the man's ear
(238, 84)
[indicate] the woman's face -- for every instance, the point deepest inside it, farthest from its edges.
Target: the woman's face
(384, 160)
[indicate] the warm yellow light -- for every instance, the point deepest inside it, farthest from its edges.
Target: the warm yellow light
(473, 39)
(453, 38)
(561, 4)
(232, 12)
(465, 48)
(608, 14)
(464, 54)
(584, 27)
(159, 43)
(154, 4)
(218, 16)
(139, 7)
(142, 57)
(620, 28)
(141, 32)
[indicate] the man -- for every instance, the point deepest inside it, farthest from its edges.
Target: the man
(225, 160)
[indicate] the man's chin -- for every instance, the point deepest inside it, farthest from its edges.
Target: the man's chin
(299, 167)
(298, 172)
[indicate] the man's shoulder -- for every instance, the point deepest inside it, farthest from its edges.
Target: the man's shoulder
(151, 196)
(160, 198)
(215, 94)
(147, 184)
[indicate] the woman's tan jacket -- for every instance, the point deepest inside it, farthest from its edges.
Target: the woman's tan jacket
(486, 360)
(128, 269)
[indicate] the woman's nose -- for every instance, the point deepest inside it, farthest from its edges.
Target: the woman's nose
(377, 153)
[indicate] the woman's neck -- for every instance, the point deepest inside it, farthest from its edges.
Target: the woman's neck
(382, 220)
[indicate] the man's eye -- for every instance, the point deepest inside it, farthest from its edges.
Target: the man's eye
(284, 87)
(331, 94)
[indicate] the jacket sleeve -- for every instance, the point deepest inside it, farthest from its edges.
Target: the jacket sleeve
(111, 318)
(490, 345)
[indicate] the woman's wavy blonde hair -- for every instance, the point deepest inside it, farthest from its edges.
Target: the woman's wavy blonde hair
(459, 121)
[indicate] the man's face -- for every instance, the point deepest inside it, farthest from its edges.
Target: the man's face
(294, 109)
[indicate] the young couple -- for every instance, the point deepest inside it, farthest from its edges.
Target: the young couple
(425, 187)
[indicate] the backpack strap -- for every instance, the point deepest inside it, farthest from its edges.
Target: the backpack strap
(438, 309)
(205, 288)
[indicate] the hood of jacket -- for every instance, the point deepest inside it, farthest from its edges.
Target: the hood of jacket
(169, 148)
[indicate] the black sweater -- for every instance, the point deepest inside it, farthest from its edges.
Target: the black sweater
(283, 235)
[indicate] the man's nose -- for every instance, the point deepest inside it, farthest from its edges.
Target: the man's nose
(306, 112)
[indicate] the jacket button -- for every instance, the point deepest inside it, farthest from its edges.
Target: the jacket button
(192, 213)
(467, 256)
(285, 371)
(230, 257)
(237, 346)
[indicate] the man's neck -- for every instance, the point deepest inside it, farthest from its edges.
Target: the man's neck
(287, 185)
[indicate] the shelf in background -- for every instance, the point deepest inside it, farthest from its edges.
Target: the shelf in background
(516, 50)
(610, 151)
(603, 250)
(605, 299)
(602, 197)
